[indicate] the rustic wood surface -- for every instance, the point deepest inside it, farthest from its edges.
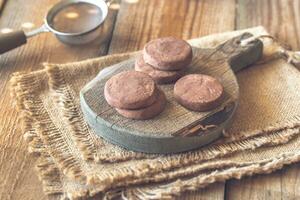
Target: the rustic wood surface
(133, 23)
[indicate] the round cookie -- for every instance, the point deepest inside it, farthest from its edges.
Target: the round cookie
(168, 53)
(159, 76)
(130, 90)
(146, 113)
(198, 92)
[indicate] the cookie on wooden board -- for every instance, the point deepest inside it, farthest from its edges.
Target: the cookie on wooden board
(130, 90)
(159, 76)
(146, 113)
(198, 92)
(168, 53)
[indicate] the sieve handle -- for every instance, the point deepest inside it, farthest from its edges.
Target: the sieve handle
(12, 40)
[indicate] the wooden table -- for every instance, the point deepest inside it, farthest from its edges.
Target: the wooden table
(131, 24)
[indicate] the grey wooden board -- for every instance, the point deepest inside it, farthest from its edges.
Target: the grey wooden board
(164, 133)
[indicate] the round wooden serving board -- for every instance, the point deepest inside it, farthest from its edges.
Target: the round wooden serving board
(176, 129)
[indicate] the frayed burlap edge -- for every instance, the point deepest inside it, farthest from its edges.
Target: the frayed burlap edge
(48, 171)
(272, 135)
(35, 145)
(235, 170)
(24, 88)
(81, 133)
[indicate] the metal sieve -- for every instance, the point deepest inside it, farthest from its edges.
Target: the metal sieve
(72, 21)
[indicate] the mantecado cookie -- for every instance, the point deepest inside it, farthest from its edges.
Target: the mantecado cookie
(130, 90)
(146, 113)
(159, 76)
(198, 92)
(168, 53)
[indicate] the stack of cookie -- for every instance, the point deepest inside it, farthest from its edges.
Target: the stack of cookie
(165, 59)
(134, 95)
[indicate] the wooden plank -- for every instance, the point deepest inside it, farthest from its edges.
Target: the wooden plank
(290, 182)
(18, 178)
(283, 184)
(281, 18)
(213, 192)
(142, 20)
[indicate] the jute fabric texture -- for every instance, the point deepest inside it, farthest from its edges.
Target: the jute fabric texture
(73, 162)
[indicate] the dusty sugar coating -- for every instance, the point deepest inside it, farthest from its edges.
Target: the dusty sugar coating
(168, 53)
(146, 113)
(198, 92)
(130, 90)
(159, 76)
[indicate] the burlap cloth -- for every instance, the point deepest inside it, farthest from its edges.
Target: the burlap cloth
(73, 162)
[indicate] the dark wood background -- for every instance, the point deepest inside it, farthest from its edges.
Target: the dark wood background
(130, 24)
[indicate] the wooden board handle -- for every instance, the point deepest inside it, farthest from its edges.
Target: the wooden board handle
(243, 56)
(239, 56)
